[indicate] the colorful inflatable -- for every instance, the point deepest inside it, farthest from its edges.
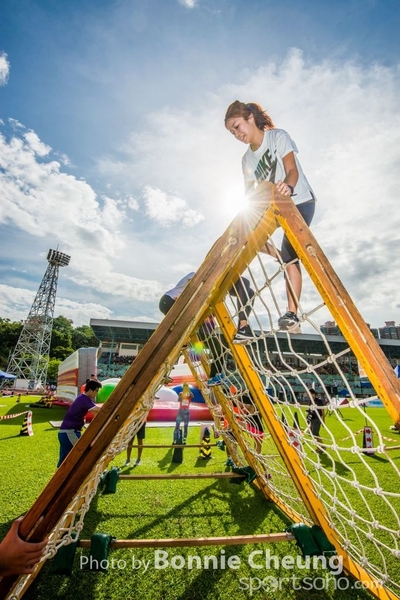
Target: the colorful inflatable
(197, 395)
(165, 406)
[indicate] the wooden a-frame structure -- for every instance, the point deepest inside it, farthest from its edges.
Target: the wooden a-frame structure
(205, 292)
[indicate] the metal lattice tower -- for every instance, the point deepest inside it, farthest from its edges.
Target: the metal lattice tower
(29, 359)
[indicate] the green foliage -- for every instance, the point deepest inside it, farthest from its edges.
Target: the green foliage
(52, 369)
(9, 334)
(61, 352)
(61, 334)
(83, 337)
(65, 339)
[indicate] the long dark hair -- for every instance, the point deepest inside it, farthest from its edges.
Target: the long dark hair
(240, 109)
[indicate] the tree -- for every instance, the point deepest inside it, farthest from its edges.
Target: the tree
(61, 336)
(83, 337)
(52, 369)
(9, 334)
(65, 339)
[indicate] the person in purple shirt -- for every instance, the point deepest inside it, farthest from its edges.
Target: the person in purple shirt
(70, 430)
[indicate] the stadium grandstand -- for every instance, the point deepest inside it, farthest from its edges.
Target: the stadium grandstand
(121, 341)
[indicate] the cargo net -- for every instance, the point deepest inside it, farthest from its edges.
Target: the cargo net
(348, 448)
(71, 523)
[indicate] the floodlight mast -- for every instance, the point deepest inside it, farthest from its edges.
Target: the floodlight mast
(29, 360)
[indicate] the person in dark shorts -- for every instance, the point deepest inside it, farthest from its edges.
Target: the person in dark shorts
(316, 416)
(140, 435)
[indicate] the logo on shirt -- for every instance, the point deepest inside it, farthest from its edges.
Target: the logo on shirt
(266, 168)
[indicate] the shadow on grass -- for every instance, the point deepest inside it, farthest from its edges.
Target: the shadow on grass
(39, 415)
(224, 509)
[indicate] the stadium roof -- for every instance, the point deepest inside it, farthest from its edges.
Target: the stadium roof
(132, 332)
(138, 332)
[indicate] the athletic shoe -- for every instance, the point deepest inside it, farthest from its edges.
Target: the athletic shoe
(127, 463)
(289, 322)
(137, 462)
(244, 335)
(219, 379)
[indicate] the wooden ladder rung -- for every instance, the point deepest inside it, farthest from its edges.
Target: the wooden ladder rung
(232, 540)
(185, 476)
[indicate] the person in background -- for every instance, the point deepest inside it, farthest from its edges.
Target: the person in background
(242, 290)
(140, 435)
(244, 293)
(74, 420)
(184, 397)
(315, 417)
(167, 300)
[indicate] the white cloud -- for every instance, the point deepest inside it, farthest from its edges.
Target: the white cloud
(344, 118)
(189, 3)
(132, 203)
(15, 124)
(4, 68)
(41, 200)
(36, 145)
(15, 304)
(168, 208)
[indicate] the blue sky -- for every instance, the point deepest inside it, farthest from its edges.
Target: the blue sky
(113, 148)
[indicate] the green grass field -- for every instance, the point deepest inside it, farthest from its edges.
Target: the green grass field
(156, 509)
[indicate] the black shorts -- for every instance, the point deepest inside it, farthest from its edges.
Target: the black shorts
(255, 421)
(141, 433)
(306, 209)
(315, 426)
(166, 303)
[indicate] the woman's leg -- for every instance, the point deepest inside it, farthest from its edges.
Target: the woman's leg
(245, 299)
(294, 280)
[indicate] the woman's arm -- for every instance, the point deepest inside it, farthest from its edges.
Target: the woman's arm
(292, 175)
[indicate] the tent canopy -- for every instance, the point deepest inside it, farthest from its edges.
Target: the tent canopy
(7, 375)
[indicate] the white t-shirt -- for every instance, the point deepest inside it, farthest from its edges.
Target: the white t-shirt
(266, 163)
(176, 291)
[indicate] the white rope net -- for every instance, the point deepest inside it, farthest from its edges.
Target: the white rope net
(269, 380)
(358, 486)
(72, 521)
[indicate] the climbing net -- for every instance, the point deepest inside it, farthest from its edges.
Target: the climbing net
(333, 465)
(71, 523)
(348, 453)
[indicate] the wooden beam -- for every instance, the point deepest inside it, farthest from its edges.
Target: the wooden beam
(152, 360)
(185, 476)
(172, 446)
(234, 540)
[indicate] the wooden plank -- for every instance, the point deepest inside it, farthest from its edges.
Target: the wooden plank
(163, 345)
(184, 476)
(234, 540)
(171, 446)
(343, 310)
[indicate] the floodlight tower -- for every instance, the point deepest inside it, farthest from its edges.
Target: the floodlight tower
(29, 359)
